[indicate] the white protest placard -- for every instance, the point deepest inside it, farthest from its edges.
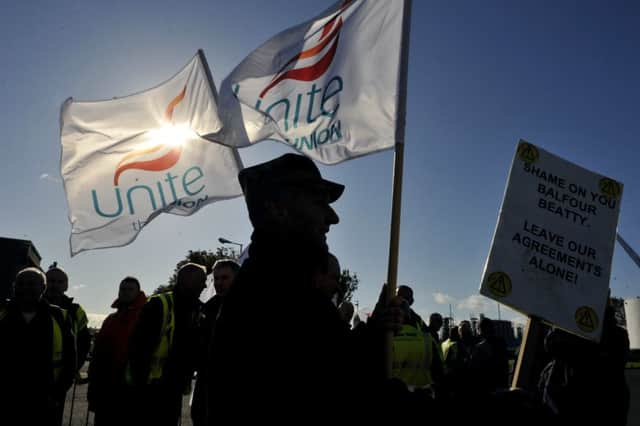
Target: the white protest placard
(552, 248)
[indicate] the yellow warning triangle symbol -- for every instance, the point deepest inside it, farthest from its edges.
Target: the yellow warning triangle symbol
(499, 285)
(586, 320)
(528, 154)
(611, 188)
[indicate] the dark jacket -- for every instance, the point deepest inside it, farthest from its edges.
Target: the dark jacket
(210, 312)
(300, 356)
(489, 365)
(586, 380)
(28, 392)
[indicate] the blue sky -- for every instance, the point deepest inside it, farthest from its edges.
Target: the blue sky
(563, 75)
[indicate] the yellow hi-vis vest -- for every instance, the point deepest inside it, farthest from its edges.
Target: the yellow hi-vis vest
(449, 346)
(450, 352)
(58, 320)
(80, 320)
(412, 356)
(167, 330)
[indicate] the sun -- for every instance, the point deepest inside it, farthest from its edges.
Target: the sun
(170, 135)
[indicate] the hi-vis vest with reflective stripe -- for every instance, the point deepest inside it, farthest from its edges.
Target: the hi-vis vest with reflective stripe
(412, 356)
(58, 320)
(80, 320)
(449, 345)
(450, 352)
(167, 330)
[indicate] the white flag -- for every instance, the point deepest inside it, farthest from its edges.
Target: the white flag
(328, 87)
(126, 160)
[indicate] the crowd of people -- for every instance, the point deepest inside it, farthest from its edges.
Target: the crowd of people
(277, 340)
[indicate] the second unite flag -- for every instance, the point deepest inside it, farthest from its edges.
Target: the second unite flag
(328, 87)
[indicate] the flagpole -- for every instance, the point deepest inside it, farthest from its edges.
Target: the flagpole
(207, 71)
(214, 93)
(398, 167)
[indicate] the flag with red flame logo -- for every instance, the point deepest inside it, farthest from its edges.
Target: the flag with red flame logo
(126, 160)
(328, 87)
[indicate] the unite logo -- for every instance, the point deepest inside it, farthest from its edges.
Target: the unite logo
(167, 141)
(302, 104)
(330, 35)
(163, 162)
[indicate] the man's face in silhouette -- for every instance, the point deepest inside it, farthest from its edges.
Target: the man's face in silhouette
(28, 290)
(190, 283)
(57, 282)
(465, 330)
(406, 293)
(435, 322)
(328, 281)
(128, 291)
(306, 212)
(223, 277)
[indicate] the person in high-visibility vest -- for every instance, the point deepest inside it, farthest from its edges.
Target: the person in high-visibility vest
(452, 351)
(37, 355)
(57, 286)
(163, 347)
(454, 363)
(415, 359)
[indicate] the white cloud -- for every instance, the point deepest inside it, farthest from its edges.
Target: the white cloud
(518, 319)
(78, 287)
(443, 299)
(511, 315)
(47, 176)
(476, 303)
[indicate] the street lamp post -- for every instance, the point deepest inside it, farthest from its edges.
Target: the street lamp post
(225, 241)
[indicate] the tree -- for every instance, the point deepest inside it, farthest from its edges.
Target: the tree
(348, 284)
(205, 258)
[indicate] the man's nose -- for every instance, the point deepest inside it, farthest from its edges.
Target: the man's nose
(332, 216)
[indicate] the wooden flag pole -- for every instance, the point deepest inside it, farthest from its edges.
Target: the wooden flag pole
(398, 167)
(214, 93)
(207, 71)
(530, 361)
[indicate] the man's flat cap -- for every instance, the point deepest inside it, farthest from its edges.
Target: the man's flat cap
(289, 169)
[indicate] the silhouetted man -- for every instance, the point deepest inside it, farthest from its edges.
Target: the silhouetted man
(435, 324)
(224, 273)
(279, 342)
(163, 347)
(489, 359)
(110, 398)
(431, 370)
(327, 278)
(37, 359)
(57, 286)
